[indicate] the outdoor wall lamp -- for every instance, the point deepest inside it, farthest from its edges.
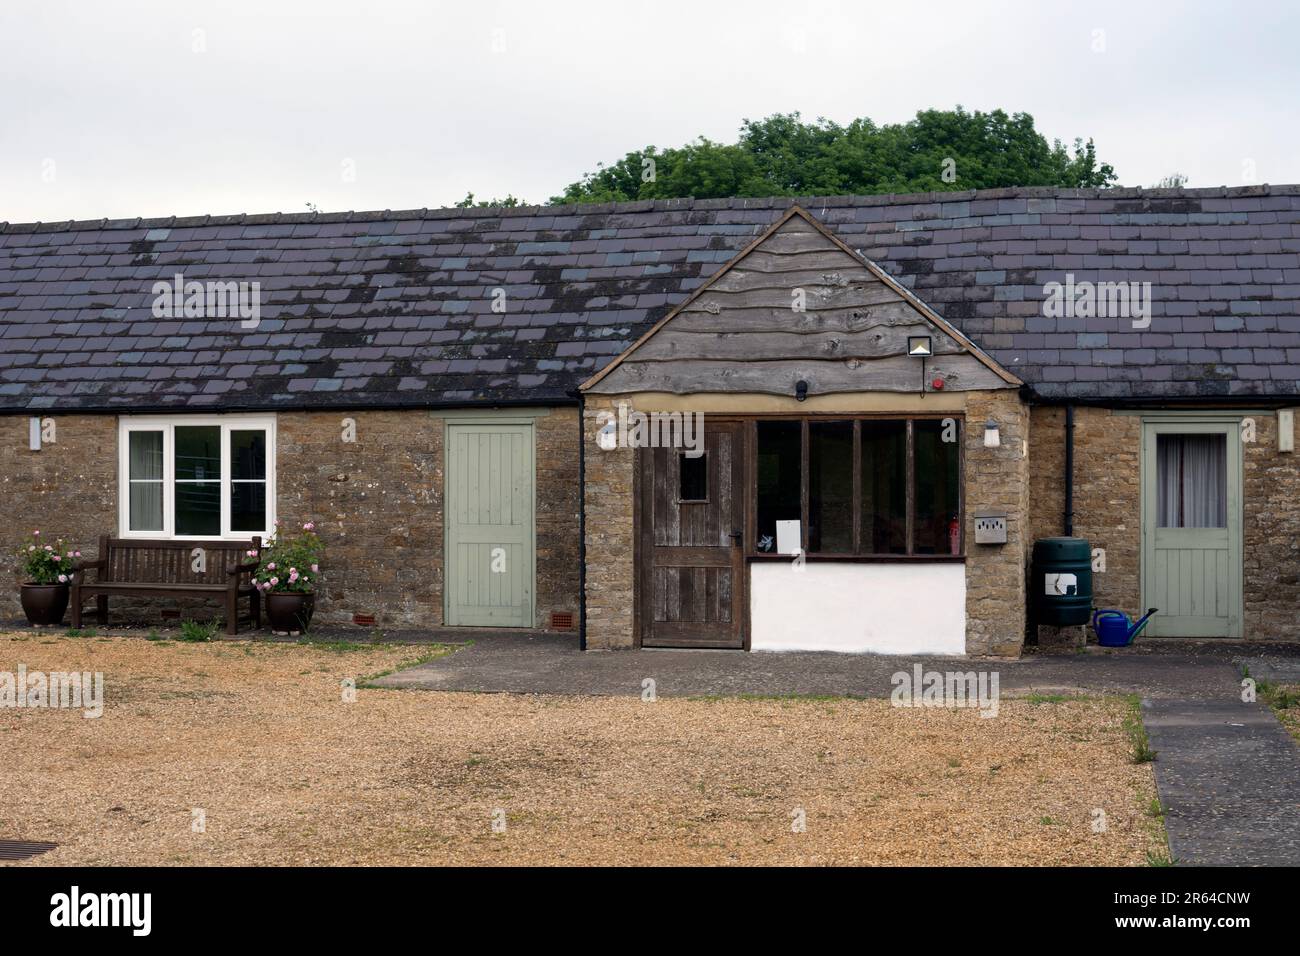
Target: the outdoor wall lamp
(992, 438)
(800, 390)
(920, 347)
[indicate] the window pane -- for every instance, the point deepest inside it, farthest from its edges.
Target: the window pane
(830, 487)
(938, 497)
(145, 450)
(248, 454)
(694, 478)
(1192, 481)
(779, 450)
(198, 453)
(198, 507)
(145, 506)
(248, 506)
(884, 487)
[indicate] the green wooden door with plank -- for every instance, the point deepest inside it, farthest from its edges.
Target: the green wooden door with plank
(490, 533)
(1191, 527)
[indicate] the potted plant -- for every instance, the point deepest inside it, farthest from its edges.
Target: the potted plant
(46, 570)
(289, 566)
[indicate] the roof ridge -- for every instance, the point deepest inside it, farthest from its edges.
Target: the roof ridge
(654, 205)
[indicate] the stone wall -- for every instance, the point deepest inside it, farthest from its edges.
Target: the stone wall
(378, 504)
(68, 490)
(1107, 493)
(1271, 550)
(997, 479)
(610, 537)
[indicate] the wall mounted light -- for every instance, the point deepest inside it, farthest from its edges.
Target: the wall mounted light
(1286, 429)
(34, 434)
(801, 390)
(919, 346)
(992, 437)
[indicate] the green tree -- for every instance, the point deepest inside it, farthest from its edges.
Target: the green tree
(784, 156)
(508, 203)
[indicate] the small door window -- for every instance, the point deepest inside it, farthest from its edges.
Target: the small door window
(1192, 481)
(694, 478)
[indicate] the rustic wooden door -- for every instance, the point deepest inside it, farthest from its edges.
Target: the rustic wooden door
(489, 519)
(691, 575)
(1192, 528)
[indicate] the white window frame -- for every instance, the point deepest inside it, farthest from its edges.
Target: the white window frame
(167, 425)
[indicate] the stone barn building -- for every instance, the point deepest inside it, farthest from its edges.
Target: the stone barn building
(833, 424)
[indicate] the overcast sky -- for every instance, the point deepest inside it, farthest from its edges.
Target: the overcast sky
(135, 108)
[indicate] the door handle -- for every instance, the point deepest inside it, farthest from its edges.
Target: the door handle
(736, 536)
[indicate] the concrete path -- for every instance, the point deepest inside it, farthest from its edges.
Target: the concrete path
(552, 664)
(1229, 779)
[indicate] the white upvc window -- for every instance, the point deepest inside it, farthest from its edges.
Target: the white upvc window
(196, 476)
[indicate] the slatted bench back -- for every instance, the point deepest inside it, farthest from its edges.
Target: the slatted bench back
(152, 561)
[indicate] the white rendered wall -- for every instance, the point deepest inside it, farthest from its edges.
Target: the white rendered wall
(915, 608)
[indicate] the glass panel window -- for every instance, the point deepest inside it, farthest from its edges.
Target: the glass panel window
(198, 508)
(248, 480)
(780, 449)
(937, 447)
(248, 506)
(198, 479)
(830, 487)
(145, 481)
(198, 453)
(1192, 481)
(195, 477)
(884, 487)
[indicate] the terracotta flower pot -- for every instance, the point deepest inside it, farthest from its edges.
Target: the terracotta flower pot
(44, 603)
(289, 612)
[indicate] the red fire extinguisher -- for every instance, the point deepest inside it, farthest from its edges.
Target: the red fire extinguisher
(954, 535)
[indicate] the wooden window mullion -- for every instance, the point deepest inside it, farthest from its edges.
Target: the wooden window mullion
(856, 488)
(803, 486)
(911, 485)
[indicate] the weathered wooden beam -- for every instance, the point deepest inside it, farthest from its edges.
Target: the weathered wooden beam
(784, 319)
(674, 344)
(815, 297)
(894, 374)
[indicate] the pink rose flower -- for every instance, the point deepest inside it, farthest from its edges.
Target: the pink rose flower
(36, 533)
(309, 526)
(57, 558)
(271, 566)
(274, 581)
(76, 554)
(63, 579)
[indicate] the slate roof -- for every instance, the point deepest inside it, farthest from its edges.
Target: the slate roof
(396, 308)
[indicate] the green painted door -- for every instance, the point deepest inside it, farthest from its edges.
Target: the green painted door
(1191, 527)
(490, 535)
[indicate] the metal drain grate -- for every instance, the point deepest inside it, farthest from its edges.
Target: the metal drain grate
(23, 849)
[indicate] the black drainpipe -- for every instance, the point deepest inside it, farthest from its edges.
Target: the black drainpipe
(1069, 471)
(582, 523)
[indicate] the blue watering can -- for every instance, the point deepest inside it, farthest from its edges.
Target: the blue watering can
(1114, 628)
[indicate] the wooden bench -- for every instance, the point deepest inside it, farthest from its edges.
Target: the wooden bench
(138, 567)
